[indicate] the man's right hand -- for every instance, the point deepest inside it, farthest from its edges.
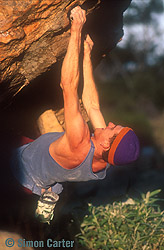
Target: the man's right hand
(78, 18)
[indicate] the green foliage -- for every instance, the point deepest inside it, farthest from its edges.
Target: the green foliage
(134, 224)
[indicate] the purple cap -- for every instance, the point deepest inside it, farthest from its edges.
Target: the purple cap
(125, 148)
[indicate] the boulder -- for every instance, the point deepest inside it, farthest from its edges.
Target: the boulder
(34, 36)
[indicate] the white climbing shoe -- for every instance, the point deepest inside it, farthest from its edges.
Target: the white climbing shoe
(45, 207)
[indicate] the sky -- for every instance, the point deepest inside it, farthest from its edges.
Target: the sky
(148, 34)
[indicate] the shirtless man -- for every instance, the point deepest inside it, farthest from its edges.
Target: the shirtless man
(74, 155)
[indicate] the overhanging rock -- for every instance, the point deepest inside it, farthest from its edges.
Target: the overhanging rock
(34, 36)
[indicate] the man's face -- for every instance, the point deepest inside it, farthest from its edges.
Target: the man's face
(110, 131)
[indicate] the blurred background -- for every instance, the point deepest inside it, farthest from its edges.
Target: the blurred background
(130, 78)
(130, 82)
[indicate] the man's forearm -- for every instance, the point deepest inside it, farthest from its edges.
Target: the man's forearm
(70, 67)
(90, 95)
(70, 76)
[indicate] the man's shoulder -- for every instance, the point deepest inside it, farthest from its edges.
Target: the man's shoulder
(69, 157)
(52, 136)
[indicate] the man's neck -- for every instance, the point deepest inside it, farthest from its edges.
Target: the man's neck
(98, 163)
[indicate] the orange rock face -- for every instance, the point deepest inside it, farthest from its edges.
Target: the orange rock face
(32, 38)
(34, 35)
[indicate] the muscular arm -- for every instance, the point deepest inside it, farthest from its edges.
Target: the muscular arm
(90, 95)
(76, 128)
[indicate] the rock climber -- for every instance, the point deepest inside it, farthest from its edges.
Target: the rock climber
(74, 155)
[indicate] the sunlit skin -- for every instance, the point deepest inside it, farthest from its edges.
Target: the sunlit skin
(102, 139)
(110, 131)
(76, 140)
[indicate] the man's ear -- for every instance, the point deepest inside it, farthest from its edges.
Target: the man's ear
(105, 144)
